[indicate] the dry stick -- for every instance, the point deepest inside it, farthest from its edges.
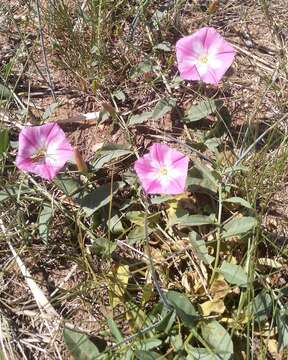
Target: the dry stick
(2, 343)
(51, 86)
(42, 302)
(14, 95)
(40, 298)
(89, 119)
(46, 309)
(260, 62)
(122, 243)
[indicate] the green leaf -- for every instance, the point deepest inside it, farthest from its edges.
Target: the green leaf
(222, 125)
(218, 338)
(282, 327)
(162, 107)
(234, 274)
(108, 153)
(50, 110)
(114, 330)
(181, 217)
(183, 307)
(238, 226)
(148, 344)
(128, 354)
(67, 184)
(238, 201)
(5, 92)
(199, 354)
(158, 16)
(119, 95)
(176, 342)
(14, 192)
(168, 318)
(100, 197)
(235, 168)
(139, 119)
(202, 178)
(200, 249)
(137, 234)
(115, 225)
(103, 247)
(4, 141)
(147, 355)
(283, 291)
(213, 143)
(44, 221)
(136, 217)
(143, 67)
(161, 199)
(201, 110)
(261, 307)
(164, 46)
(80, 346)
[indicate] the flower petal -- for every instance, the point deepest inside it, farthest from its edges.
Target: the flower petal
(48, 138)
(159, 152)
(208, 42)
(148, 169)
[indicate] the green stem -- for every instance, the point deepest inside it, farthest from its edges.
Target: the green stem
(152, 267)
(218, 236)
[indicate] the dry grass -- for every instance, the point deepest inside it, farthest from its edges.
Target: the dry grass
(94, 49)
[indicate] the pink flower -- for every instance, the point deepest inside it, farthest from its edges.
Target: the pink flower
(43, 150)
(204, 55)
(163, 170)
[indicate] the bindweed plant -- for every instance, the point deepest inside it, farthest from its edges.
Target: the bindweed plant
(158, 243)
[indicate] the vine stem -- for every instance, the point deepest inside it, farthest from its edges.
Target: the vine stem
(152, 267)
(218, 235)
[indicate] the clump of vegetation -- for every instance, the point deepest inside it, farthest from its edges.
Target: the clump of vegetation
(143, 152)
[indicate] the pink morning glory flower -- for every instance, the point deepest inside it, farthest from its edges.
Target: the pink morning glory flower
(205, 55)
(43, 150)
(163, 170)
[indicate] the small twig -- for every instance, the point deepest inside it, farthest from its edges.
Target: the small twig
(122, 243)
(260, 62)
(3, 348)
(40, 298)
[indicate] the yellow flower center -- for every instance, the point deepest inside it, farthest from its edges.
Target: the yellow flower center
(163, 171)
(39, 155)
(203, 59)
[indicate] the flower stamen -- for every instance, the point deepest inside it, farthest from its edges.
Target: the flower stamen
(163, 171)
(203, 59)
(39, 155)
